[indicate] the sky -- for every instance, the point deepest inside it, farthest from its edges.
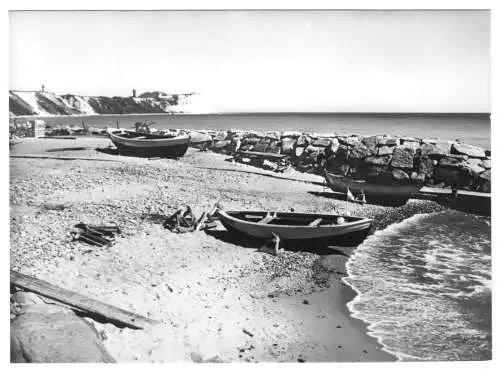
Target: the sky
(262, 61)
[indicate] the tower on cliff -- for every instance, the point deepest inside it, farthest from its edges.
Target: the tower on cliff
(133, 93)
(43, 88)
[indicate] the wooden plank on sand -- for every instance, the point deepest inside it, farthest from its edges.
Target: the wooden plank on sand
(443, 191)
(37, 156)
(80, 302)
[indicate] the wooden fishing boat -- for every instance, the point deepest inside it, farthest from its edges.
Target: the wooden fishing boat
(149, 145)
(297, 229)
(374, 192)
(465, 201)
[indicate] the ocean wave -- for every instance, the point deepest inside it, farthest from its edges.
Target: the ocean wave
(412, 280)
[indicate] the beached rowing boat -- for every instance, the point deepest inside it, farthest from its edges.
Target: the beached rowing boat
(298, 229)
(149, 145)
(374, 192)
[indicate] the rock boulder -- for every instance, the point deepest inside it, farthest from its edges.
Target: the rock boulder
(403, 158)
(470, 150)
(473, 169)
(385, 150)
(400, 176)
(359, 152)
(425, 166)
(221, 135)
(411, 144)
(303, 140)
(221, 144)
(370, 142)
(299, 150)
(486, 164)
(321, 142)
(250, 140)
(348, 140)
(287, 145)
(333, 147)
(450, 162)
(273, 135)
(435, 151)
(416, 178)
(387, 141)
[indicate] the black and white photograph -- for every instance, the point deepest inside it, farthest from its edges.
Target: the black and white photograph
(250, 185)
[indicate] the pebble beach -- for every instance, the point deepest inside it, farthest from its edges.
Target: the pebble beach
(218, 300)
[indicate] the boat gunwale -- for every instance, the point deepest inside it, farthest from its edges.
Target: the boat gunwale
(358, 221)
(354, 180)
(180, 137)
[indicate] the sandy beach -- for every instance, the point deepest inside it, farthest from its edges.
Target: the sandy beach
(217, 298)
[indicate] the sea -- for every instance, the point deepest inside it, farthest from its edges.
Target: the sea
(423, 285)
(469, 128)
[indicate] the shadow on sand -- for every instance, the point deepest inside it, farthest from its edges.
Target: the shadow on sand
(114, 151)
(66, 149)
(257, 173)
(108, 151)
(255, 244)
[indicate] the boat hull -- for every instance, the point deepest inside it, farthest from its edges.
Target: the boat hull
(374, 192)
(173, 147)
(304, 237)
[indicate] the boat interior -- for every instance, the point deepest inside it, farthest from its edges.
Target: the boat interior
(142, 136)
(292, 219)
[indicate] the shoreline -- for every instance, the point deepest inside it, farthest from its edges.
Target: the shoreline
(188, 280)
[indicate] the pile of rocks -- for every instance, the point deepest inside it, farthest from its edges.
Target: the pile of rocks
(384, 159)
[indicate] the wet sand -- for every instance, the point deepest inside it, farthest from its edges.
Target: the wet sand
(217, 298)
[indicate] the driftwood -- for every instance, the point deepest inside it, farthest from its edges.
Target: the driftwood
(80, 302)
(95, 235)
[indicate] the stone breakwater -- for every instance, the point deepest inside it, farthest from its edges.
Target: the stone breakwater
(380, 159)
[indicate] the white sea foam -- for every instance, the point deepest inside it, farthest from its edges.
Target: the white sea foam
(408, 290)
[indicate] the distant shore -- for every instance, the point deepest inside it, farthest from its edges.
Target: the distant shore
(317, 113)
(204, 288)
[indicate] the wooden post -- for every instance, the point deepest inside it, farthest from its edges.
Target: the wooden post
(85, 128)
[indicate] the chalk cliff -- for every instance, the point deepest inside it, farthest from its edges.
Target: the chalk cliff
(42, 103)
